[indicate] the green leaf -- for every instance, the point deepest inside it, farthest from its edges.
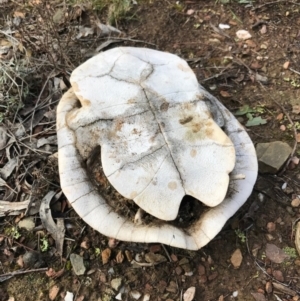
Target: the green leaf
(256, 121)
(243, 110)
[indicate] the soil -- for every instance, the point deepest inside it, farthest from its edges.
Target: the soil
(253, 73)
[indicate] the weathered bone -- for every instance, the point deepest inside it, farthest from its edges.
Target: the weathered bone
(159, 141)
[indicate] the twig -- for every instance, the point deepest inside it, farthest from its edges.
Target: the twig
(297, 72)
(18, 243)
(20, 272)
(274, 2)
(167, 253)
(295, 136)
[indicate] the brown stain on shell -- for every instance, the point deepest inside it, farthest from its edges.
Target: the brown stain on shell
(172, 185)
(193, 153)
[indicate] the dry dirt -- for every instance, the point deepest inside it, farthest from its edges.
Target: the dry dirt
(228, 68)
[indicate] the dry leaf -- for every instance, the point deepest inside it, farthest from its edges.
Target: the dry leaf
(106, 255)
(298, 137)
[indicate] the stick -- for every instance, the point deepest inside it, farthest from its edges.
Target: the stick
(20, 272)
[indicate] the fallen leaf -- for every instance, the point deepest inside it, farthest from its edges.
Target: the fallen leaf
(106, 255)
(275, 254)
(298, 137)
(256, 121)
(279, 116)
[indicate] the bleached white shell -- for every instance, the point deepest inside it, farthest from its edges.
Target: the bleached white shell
(159, 139)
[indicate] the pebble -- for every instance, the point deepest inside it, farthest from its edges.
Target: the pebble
(53, 292)
(146, 297)
(271, 227)
(33, 260)
(155, 258)
(243, 34)
(278, 275)
(236, 258)
(201, 270)
(116, 283)
(77, 264)
(189, 294)
(27, 223)
(178, 270)
(295, 202)
(172, 287)
(135, 294)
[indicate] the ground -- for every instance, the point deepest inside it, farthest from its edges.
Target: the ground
(41, 44)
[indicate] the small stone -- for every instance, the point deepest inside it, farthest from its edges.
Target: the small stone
(155, 248)
(161, 286)
(106, 255)
(278, 275)
(120, 257)
(172, 287)
(295, 202)
(286, 65)
(189, 294)
(183, 261)
(174, 257)
(269, 287)
(178, 270)
(270, 237)
(235, 294)
(275, 254)
(258, 296)
(201, 270)
(27, 223)
(53, 292)
(33, 259)
(128, 255)
(213, 276)
(146, 297)
(155, 258)
(116, 283)
(271, 156)
(77, 264)
(282, 127)
(202, 279)
(271, 227)
(236, 258)
(243, 34)
(135, 294)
